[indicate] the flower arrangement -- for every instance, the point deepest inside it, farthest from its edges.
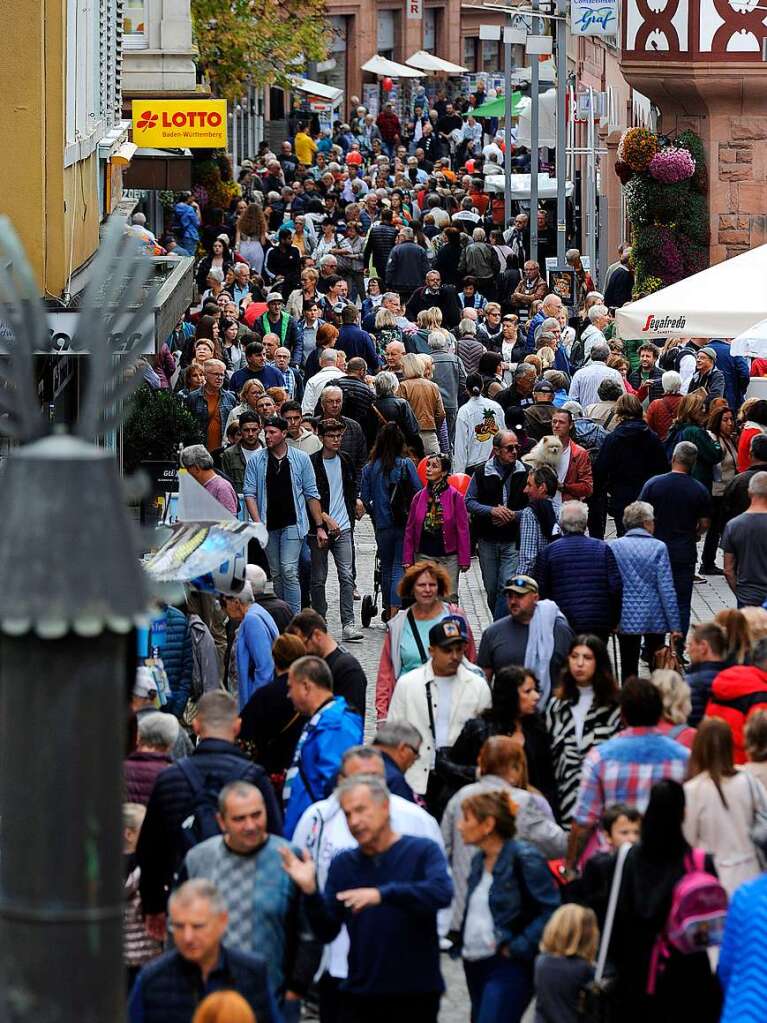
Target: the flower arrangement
(637, 148)
(665, 185)
(670, 165)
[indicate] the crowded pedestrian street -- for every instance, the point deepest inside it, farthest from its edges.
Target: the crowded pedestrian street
(383, 488)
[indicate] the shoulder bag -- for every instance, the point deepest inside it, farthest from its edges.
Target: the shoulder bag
(597, 1001)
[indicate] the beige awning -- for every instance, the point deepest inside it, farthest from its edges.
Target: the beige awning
(326, 92)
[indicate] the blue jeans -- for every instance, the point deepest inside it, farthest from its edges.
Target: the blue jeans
(497, 562)
(499, 988)
(389, 541)
(341, 549)
(282, 552)
(683, 583)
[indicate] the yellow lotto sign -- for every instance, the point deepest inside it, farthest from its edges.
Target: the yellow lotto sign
(173, 124)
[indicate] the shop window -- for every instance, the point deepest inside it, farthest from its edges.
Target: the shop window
(470, 53)
(134, 24)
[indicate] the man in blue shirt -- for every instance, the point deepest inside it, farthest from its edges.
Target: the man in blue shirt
(256, 633)
(390, 887)
(257, 369)
(682, 508)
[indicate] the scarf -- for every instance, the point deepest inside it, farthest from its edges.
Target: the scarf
(434, 513)
(546, 516)
(540, 645)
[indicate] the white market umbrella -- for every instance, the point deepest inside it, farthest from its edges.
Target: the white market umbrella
(432, 65)
(721, 301)
(752, 342)
(386, 68)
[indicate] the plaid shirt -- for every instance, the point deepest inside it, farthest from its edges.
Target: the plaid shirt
(531, 541)
(624, 770)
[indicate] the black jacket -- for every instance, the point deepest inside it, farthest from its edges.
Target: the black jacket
(169, 989)
(380, 242)
(487, 489)
(271, 726)
(358, 399)
(630, 456)
(446, 300)
(348, 478)
(397, 410)
(736, 499)
(161, 846)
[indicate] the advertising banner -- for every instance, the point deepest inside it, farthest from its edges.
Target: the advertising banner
(594, 17)
(177, 124)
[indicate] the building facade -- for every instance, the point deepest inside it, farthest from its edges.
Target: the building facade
(700, 62)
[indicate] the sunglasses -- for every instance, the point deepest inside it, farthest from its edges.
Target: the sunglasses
(509, 447)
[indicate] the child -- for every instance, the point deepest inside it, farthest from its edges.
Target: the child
(566, 964)
(619, 824)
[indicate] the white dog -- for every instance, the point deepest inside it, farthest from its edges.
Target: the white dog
(547, 451)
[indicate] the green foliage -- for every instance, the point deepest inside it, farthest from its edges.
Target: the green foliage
(157, 423)
(257, 41)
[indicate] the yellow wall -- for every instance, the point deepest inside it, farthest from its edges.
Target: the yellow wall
(52, 208)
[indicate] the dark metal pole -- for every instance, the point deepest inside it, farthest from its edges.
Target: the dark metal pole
(71, 589)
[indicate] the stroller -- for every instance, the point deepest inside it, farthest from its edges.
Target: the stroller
(369, 608)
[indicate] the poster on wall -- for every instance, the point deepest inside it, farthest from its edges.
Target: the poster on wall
(594, 17)
(370, 99)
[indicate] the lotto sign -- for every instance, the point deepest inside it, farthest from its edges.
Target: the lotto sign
(594, 17)
(176, 124)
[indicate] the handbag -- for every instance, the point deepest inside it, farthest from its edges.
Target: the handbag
(597, 1002)
(401, 496)
(667, 659)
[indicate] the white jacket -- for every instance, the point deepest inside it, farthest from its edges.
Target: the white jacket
(314, 385)
(323, 830)
(470, 697)
(476, 424)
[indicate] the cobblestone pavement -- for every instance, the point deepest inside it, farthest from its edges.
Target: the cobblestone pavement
(708, 598)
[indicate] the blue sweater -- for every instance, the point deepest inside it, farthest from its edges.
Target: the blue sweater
(743, 956)
(255, 664)
(177, 659)
(394, 949)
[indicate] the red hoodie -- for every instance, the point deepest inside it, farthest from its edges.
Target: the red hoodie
(735, 693)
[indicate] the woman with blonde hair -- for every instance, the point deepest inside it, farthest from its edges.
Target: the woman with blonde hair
(224, 1007)
(425, 399)
(428, 321)
(251, 239)
(738, 634)
(249, 394)
(677, 706)
(721, 804)
(566, 964)
(306, 293)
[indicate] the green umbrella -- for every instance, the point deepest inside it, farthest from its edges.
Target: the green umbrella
(497, 107)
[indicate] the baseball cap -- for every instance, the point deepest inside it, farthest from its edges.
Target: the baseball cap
(450, 630)
(543, 387)
(144, 685)
(521, 584)
(274, 296)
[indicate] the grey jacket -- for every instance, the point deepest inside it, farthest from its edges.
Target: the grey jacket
(534, 825)
(479, 260)
(450, 376)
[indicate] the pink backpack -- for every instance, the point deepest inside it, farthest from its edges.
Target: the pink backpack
(696, 918)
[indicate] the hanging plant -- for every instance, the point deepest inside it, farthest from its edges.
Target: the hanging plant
(638, 200)
(623, 171)
(639, 146)
(671, 165)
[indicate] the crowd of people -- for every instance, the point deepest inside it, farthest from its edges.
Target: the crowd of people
(583, 780)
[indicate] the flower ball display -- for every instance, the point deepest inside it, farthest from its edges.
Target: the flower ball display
(637, 148)
(672, 165)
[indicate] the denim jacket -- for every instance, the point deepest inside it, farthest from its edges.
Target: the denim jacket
(523, 895)
(302, 478)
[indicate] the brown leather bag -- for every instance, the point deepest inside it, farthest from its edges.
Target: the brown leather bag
(667, 659)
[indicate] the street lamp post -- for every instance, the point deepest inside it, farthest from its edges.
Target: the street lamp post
(72, 589)
(561, 151)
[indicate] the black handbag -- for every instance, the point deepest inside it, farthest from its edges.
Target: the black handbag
(598, 1003)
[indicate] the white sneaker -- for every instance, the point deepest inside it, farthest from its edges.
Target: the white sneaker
(351, 635)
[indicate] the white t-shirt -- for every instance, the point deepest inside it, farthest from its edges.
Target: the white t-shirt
(445, 685)
(248, 453)
(479, 932)
(564, 465)
(581, 709)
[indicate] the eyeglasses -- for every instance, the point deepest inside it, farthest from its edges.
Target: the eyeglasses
(509, 447)
(413, 750)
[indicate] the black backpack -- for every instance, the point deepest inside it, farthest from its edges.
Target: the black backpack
(401, 496)
(201, 822)
(672, 359)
